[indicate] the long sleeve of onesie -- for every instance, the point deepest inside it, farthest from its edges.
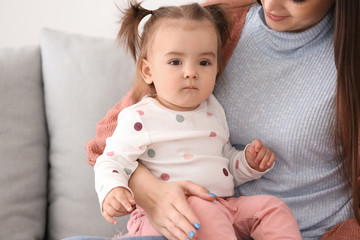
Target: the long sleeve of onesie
(238, 166)
(114, 167)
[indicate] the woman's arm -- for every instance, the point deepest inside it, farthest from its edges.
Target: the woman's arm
(165, 202)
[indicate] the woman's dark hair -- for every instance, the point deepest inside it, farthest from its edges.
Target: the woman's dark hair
(347, 62)
(139, 45)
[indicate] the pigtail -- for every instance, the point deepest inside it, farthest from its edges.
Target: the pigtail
(129, 33)
(221, 21)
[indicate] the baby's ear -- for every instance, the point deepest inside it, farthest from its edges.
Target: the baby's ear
(145, 70)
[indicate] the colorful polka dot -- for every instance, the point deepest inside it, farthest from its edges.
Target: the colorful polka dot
(151, 153)
(165, 176)
(110, 154)
(225, 171)
(180, 118)
(115, 171)
(213, 134)
(127, 171)
(140, 112)
(237, 164)
(188, 156)
(138, 126)
(209, 114)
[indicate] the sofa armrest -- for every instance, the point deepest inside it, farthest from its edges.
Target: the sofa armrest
(23, 145)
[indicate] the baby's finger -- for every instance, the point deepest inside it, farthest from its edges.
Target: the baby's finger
(111, 211)
(115, 204)
(122, 203)
(257, 144)
(272, 160)
(130, 198)
(109, 218)
(264, 161)
(260, 155)
(250, 153)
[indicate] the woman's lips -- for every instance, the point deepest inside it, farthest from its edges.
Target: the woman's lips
(275, 17)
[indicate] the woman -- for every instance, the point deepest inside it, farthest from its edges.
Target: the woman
(284, 60)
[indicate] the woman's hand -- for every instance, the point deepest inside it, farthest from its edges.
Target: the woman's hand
(165, 203)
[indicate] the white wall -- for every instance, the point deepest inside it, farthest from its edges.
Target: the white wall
(22, 20)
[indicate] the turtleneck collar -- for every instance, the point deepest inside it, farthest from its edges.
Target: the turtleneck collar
(289, 44)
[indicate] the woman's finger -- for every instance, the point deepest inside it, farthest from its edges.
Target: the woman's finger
(173, 212)
(175, 228)
(167, 234)
(192, 189)
(168, 224)
(186, 222)
(163, 202)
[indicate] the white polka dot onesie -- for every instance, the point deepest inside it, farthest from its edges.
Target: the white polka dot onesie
(173, 145)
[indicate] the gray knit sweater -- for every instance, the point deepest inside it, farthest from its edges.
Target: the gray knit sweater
(280, 87)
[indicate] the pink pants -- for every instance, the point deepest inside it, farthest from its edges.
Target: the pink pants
(257, 217)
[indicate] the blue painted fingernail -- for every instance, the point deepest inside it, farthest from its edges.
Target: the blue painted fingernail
(197, 225)
(211, 194)
(191, 233)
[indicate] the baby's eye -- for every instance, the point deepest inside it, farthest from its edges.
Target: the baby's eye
(175, 62)
(205, 63)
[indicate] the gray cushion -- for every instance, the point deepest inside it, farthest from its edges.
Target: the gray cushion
(83, 78)
(23, 145)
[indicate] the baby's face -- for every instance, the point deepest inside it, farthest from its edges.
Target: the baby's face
(182, 62)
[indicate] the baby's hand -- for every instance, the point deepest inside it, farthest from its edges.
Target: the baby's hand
(118, 202)
(258, 156)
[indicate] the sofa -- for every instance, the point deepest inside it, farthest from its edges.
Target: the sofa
(52, 97)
